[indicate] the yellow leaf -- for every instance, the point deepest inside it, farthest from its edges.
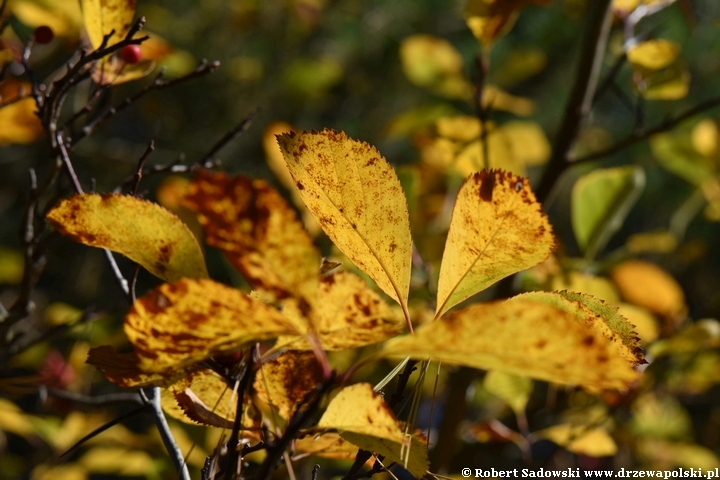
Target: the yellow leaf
(18, 119)
(285, 381)
(706, 137)
(14, 420)
(515, 390)
(528, 142)
(660, 242)
(119, 461)
(349, 315)
(490, 19)
(581, 439)
(327, 445)
(647, 285)
(357, 198)
(71, 471)
(142, 231)
(64, 18)
(433, 63)
(363, 418)
(653, 54)
(521, 336)
(585, 283)
(123, 369)
(497, 229)
(59, 313)
(667, 455)
(103, 16)
(113, 70)
(184, 322)
(258, 232)
(646, 325)
(12, 264)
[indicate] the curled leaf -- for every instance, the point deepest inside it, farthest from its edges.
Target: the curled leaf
(180, 323)
(497, 229)
(142, 231)
(357, 199)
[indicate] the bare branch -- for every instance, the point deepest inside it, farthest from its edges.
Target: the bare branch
(228, 137)
(161, 423)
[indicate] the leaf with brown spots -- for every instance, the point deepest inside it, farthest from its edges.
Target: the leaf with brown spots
(525, 336)
(285, 381)
(258, 232)
(362, 417)
(103, 16)
(142, 231)
(357, 198)
(349, 315)
(181, 323)
(497, 228)
(327, 445)
(123, 370)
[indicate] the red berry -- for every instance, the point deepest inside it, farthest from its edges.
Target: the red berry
(131, 53)
(43, 35)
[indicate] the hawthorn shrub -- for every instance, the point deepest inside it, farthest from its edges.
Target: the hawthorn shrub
(477, 296)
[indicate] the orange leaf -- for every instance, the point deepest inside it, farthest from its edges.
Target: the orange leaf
(184, 322)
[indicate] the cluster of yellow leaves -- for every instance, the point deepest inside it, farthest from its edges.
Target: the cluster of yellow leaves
(659, 74)
(497, 229)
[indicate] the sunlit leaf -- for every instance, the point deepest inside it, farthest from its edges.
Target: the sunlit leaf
(363, 418)
(433, 63)
(20, 124)
(676, 153)
(528, 142)
(123, 369)
(72, 471)
(581, 439)
(649, 286)
(646, 325)
(64, 18)
(120, 461)
(285, 381)
(258, 232)
(585, 283)
(489, 19)
(653, 54)
(523, 336)
(142, 231)
(497, 229)
(356, 196)
(14, 420)
(706, 137)
(601, 200)
(181, 323)
(327, 445)
(349, 315)
(515, 390)
(103, 16)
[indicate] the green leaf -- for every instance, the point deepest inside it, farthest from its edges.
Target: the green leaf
(675, 153)
(601, 201)
(515, 390)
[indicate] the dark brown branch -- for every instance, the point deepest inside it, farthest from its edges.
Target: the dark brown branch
(233, 455)
(599, 20)
(662, 127)
(157, 84)
(97, 401)
(141, 165)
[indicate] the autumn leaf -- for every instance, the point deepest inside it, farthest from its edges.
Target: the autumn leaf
(181, 323)
(357, 199)
(142, 231)
(123, 369)
(327, 445)
(649, 286)
(490, 19)
(103, 16)
(497, 229)
(362, 417)
(285, 381)
(18, 119)
(524, 336)
(349, 315)
(258, 232)
(514, 390)
(659, 73)
(581, 439)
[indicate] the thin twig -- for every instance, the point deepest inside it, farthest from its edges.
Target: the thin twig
(636, 137)
(599, 21)
(161, 423)
(157, 84)
(96, 401)
(141, 164)
(227, 138)
(102, 428)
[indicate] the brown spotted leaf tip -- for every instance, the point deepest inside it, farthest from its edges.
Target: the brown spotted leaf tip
(181, 323)
(285, 381)
(497, 229)
(527, 336)
(142, 231)
(349, 315)
(356, 197)
(123, 370)
(103, 16)
(258, 232)
(362, 417)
